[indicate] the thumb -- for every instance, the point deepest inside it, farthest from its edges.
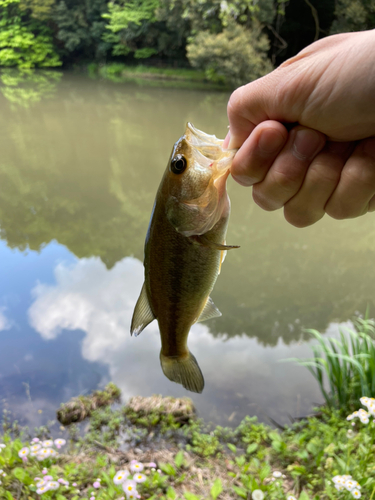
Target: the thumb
(256, 102)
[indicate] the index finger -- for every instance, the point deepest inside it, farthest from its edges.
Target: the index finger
(246, 109)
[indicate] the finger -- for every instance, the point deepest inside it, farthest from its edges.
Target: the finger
(356, 187)
(254, 103)
(281, 96)
(287, 173)
(322, 177)
(258, 152)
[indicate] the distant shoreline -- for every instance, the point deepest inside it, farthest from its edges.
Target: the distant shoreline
(176, 77)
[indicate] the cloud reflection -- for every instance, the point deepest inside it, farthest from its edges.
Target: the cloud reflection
(241, 375)
(5, 323)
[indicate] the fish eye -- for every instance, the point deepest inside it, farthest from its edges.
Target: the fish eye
(178, 164)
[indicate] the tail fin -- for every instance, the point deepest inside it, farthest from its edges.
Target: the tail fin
(183, 371)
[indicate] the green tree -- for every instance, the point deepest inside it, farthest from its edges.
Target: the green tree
(128, 20)
(24, 42)
(235, 56)
(146, 28)
(353, 15)
(39, 9)
(80, 27)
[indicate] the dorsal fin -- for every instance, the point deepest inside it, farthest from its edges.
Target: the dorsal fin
(142, 314)
(209, 311)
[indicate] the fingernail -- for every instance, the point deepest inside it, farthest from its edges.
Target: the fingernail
(270, 141)
(245, 180)
(306, 144)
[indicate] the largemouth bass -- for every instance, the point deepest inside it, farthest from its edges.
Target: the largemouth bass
(184, 249)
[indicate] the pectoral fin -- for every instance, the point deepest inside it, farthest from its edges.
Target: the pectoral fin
(142, 314)
(206, 242)
(209, 311)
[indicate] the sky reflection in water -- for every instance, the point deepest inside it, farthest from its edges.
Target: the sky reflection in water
(82, 313)
(79, 170)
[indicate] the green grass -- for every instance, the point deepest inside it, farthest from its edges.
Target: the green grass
(345, 365)
(207, 464)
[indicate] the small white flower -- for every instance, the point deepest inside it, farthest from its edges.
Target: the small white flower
(42, 489)
(34, 448)
(43, 453)
(336, 479)
(59, 442)
(291, 497)
(41, 483)
(349, 484)
(23, 452)
(129, 486)
(257, 495)
(139, 478)
(339, 487)
(2, 445)
(53, 485)
(120, 476)
(276, 473)
(48, 443)
(136, 466)
(356, 493)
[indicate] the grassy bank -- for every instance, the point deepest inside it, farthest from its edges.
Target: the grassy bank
(154, 76)
(181, 457)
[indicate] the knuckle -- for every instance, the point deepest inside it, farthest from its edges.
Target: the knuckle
(288, 180)
(301, 218)
(338, 211)
(263, 201)
(236, 101)
(324, 173)
(360, 173)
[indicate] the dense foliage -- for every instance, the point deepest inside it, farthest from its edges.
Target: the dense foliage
(233, 41)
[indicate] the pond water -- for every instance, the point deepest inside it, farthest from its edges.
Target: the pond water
(80, 163)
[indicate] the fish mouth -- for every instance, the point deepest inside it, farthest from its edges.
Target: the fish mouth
(207, 145)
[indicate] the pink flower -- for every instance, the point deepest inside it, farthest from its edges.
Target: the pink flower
(35, 440)
(151, 464)
(48, 478)
(96, 484)
(44, 471)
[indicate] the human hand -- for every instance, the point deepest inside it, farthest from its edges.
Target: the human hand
(325, 163)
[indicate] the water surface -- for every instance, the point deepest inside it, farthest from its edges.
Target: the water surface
(79, 167)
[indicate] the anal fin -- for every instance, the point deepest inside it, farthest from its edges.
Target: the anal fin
(142, 315)
(209, 311)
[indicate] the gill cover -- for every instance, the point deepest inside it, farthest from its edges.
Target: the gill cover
(197, 196)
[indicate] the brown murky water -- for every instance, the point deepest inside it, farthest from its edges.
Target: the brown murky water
(79, 167)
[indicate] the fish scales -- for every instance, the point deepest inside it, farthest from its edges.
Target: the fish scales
(184, 250)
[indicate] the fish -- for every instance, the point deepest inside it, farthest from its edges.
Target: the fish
(184, 249)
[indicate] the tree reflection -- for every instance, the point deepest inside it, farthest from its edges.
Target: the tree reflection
(27, 87)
